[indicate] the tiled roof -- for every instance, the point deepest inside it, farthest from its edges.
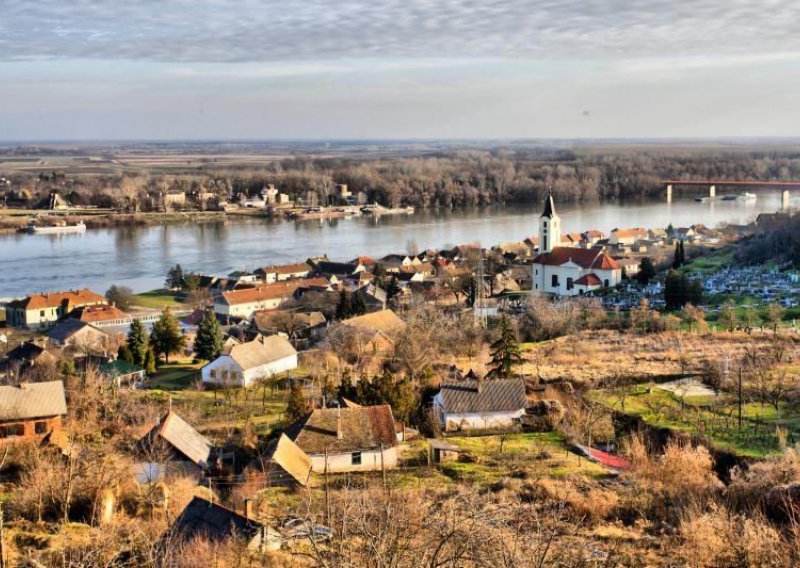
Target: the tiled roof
(589, 280)
(184, 438)
(338, 268)
(202, 518)
(635, 232)
(65, 329)
(383, 320)
(585, 258)
(361, 428)
(32, 400)
(496, 395)
(98, 313)
(261, 351)
(72, 299)
(272, 291)
(295, 268)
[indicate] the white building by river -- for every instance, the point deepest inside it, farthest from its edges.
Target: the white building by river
(568, 271)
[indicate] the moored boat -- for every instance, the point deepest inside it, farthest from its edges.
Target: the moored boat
(63, 228)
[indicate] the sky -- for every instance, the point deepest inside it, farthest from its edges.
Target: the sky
(354, 69)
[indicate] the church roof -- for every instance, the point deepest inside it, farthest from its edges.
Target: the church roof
(585, 258)
(549, 207)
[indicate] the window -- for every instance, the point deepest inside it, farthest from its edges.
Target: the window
(605, 282)
(355, 458)
(569, 283)
(544, 224)
(40, 427)
(544, 242)
(554, 281)
(41, 314)
(12, 430)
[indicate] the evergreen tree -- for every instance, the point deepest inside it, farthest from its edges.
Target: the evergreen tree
(505, 351)
(124, 353)
(646, 271)
(344, 308)
(392, 290)
(346, 388)
(359, 307)
(679, 291)
(167, 336)
(175, 278)
(208, 343)
(150, 362)
(297, 406)
(138, 342)
(683, 253)
(676, 261)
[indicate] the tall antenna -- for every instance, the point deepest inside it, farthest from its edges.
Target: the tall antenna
(478, 307)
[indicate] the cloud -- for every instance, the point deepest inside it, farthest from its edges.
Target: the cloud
(224, 31)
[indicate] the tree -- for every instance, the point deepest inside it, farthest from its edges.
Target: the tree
(150, 362)
(359, 306)
(727, 315)
(646, 271)
(208, 343)
(167, 337)
(120, 296)
(677, 259)
(124, 353)
(505, 351)
(298, 405)
(344, 308)
(174, 279)
(749, 318)
(773, 316)
(392, 290)
(679, 290)
(695, 317)
(138, 342)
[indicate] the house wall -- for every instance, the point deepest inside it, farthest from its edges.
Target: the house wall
(370, 461)
(222, 371)
(28, 430)
(452, 422)
(247, 310)
(271, 369)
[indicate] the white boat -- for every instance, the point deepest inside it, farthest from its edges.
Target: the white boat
(79, 227)
(748, 197)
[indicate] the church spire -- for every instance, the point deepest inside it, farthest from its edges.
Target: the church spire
(549, 206)
(549, 226)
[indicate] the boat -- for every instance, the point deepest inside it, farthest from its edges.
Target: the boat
(59, 229)
(748, 197)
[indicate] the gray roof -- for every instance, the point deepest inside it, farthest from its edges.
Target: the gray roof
(63, 330)
(202, 518)
(495, 395)
(261, 351)
(185, 439)
(32, 400)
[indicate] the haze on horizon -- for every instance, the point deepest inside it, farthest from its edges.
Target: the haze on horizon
(264, 69)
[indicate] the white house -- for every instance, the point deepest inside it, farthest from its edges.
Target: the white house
(359, 438)
(557, 269)
(627, 236)
(248, 362)
(480, 404)
(243, 303)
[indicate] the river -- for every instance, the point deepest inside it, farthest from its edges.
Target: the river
(139, 257)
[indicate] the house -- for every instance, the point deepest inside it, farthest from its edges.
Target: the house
(31, 411)
(376, 329)
(40, 311)
(629, 265)
(217, 524)
(338, 269)
(184, 443)
(246, 363)
(281, 272)
(79, 335)
(627, 236)
(478, 404)
(572, 240)
(592, 237)
(29, 354)
(283, 463)
(101, 315)
(373, 296)
(347, 439)
(245, 302)
(243, 277)
(174, 199)
(556, 269)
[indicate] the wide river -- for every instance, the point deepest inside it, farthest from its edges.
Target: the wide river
(139, 257)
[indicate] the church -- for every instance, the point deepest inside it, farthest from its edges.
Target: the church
(568, 271)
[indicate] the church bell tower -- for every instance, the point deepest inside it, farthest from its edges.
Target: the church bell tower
(549, 226)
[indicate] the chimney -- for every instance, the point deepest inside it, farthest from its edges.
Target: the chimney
(248, 509)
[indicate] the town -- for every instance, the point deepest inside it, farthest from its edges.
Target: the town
(252, 415)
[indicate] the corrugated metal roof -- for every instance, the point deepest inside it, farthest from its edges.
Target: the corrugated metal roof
(290, 458)
(497, 395)
(32, 400)
(184, 438)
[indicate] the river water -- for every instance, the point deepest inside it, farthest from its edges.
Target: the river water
(139, 257)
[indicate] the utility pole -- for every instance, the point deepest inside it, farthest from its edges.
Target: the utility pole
(478, 308)
(383, 469)
(2, 538)
(327, 491)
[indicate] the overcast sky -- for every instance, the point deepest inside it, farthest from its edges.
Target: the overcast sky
(178, 69)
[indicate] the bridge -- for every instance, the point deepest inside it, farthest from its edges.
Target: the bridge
(783, 186)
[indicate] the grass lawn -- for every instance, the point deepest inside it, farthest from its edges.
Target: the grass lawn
(177, 375)
(710, 262)
(714, 419)
(157, 300)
